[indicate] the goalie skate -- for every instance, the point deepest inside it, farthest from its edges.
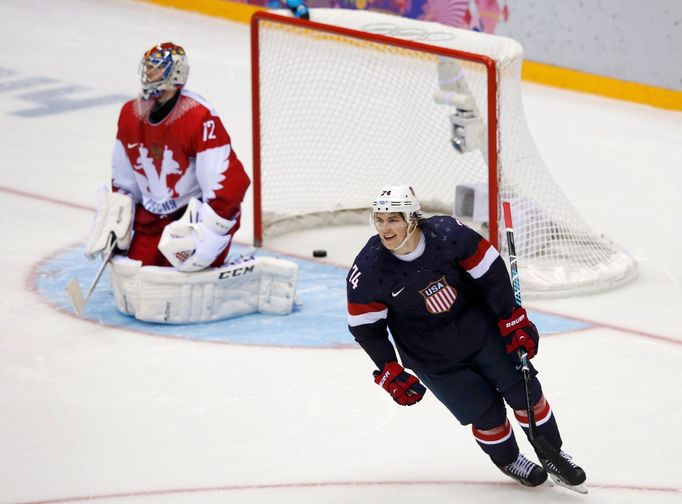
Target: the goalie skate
(574, 482)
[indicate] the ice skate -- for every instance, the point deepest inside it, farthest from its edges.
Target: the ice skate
(574, 481)
(526, 472)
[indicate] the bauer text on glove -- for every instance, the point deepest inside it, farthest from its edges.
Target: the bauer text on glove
(519, 332)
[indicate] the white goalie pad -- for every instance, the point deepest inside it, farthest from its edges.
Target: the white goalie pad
(164, 295)
(114, 215)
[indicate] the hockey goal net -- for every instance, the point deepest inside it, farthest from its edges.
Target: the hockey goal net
(355, 100)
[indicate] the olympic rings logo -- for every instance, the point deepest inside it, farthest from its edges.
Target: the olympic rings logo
(417, 34)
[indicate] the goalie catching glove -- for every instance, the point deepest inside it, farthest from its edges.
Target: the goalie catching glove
(197, 238)
(404, 388)
(519, 332)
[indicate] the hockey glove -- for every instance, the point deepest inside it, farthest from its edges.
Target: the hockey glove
(519, 332)
(404, 388)
(196, 239)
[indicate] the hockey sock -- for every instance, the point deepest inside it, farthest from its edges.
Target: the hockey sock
(545, 421)
(499, 443)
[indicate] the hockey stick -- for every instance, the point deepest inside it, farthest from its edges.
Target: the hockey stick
(542, 447)
(73, 290)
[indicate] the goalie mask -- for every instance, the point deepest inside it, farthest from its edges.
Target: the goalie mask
(163, 67)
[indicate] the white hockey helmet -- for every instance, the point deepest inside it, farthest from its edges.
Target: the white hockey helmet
(172, 61)
(398, 198)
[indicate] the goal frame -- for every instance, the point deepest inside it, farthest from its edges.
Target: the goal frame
(492, 76)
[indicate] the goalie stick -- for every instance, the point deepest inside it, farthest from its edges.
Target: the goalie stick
(546, 452)
(73, 290)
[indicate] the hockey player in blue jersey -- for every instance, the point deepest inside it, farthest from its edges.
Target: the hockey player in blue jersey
(444, 294)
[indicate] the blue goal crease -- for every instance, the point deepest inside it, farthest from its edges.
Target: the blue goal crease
(319, 322)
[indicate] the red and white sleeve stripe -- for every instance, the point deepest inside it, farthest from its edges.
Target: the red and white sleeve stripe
(479, 263)
(361, 314)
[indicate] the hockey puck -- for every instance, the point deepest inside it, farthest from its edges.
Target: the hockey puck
(319, 253)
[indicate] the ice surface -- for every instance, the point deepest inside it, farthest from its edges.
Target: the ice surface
(94, 411)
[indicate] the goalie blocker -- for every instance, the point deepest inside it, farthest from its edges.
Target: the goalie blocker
(164, 295)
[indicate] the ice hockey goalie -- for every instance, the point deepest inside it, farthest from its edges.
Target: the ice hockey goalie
(174, 205)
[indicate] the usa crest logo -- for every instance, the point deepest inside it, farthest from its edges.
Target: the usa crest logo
(439, 296)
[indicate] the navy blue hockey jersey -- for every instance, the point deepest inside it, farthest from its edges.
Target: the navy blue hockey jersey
(439, 308)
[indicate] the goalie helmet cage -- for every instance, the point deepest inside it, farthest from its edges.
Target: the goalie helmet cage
(355, 100)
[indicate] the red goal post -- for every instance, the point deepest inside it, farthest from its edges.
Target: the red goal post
(354, 100)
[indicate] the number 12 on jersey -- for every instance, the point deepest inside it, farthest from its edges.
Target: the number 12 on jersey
(209, 130)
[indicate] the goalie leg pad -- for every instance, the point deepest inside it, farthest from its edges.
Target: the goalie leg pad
(123, 276)
(165, 295)
(277, 286)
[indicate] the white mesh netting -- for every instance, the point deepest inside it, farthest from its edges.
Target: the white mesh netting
(341, 116)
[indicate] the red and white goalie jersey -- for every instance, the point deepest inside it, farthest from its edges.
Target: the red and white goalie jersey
(162, 166)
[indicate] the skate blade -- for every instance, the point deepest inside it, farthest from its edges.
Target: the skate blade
(581, 489)
(548, 483)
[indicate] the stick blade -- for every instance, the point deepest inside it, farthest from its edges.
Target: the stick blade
(75, 295)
